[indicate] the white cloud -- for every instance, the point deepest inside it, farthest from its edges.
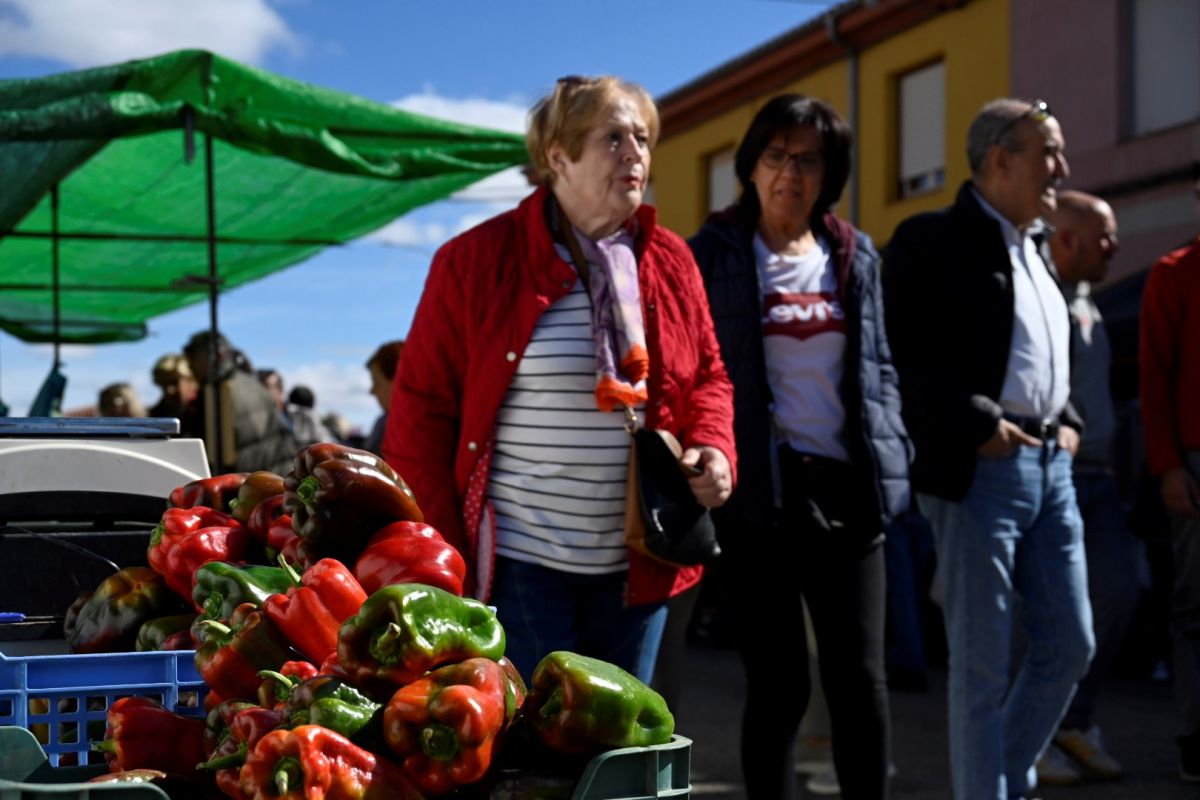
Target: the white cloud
(404, 232)
(504, 115)
(85, 33)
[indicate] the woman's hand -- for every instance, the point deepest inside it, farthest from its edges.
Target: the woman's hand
(713, 485)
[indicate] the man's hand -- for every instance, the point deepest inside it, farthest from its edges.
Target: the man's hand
(714, 484)
(1180, 493)
(1068, 439)
(1007, 438)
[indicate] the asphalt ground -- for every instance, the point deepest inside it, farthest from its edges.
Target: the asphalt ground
(1136, 716)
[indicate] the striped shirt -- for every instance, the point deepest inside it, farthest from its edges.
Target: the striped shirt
(558, 472)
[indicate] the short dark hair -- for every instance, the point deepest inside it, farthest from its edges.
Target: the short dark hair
(302, 396)
(780, 115)
(386, 358)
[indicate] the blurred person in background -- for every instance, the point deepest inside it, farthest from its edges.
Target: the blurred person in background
(1082, 244)
(120, 400)
(174, 378)
(824, 456)
(536, 331)
(306, 425)
(253, 434)
(1169, 357)
(382, 367)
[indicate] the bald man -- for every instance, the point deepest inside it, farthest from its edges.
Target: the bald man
(1083, 243)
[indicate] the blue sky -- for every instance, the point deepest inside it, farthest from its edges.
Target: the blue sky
(482, 62)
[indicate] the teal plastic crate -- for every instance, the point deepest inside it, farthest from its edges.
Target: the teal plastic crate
(26, 773)
(639, 773)
(63, 700)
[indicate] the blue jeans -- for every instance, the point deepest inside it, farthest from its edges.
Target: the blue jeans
(1017, 531)
(543, 610)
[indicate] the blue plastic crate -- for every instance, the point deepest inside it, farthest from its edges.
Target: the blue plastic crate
(63, 700)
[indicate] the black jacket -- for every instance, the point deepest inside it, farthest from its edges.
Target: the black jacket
(947, 282)
(875, 438)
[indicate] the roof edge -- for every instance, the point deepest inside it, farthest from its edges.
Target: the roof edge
(824, 39)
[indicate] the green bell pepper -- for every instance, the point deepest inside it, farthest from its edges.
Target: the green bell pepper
(219, 587)
(407, 629)
(331, 703)
(581, 705)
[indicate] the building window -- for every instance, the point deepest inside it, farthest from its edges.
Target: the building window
(1166, 63)
(722, 181)
(922, 118)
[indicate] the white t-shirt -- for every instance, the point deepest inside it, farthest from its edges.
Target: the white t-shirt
(804, 339)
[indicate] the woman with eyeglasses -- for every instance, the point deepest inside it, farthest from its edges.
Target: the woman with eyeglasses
(535, 331)
(822, 452)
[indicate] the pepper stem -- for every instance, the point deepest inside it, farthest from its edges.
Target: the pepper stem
(307, 489)
(439, 741)
(293, 576)
(386, 646)
(288, 773)
(157, 534)
(219, 627)
(105, 746)
(235, 759)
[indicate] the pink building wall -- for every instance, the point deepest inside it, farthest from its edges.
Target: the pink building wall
(1075, 55)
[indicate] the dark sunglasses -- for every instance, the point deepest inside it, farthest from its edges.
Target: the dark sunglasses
(1039, 111)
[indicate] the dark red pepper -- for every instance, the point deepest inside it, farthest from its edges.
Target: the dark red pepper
(141, 734)
(410, 552)
(215, 492)
(337, 494)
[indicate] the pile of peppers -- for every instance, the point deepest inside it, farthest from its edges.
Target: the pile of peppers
(368, 675)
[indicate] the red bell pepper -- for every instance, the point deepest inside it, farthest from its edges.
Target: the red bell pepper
(444, 726)
(410, 552)
(257, 487)
(215, 492)
(318, 764)
(188, 538)
(141, 734)
(311, 613)
(231, 657)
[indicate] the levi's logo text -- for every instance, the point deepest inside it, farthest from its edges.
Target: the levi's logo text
(802, 315)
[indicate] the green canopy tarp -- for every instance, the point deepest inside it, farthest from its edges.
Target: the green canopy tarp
(295, 168)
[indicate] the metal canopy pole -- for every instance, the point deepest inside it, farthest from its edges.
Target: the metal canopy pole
(55, 277)
(214, 364)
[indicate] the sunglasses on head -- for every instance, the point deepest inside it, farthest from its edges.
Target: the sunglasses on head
(1038, 111)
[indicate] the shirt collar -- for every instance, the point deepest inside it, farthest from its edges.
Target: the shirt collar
(1012, 234)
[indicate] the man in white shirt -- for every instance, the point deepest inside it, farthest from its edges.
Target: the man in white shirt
(981, 340)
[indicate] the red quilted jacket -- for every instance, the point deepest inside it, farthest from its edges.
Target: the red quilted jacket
(485, 292)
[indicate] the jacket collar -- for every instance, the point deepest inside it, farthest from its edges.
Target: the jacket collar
(837, 232)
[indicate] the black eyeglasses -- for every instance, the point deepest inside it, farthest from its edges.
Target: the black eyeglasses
(807, 163)
(1039, 111)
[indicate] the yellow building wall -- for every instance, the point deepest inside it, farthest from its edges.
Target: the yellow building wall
(680, 164)
(974, 44)
(972, 41)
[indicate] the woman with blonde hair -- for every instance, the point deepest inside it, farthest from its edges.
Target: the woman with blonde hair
(536, 331)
